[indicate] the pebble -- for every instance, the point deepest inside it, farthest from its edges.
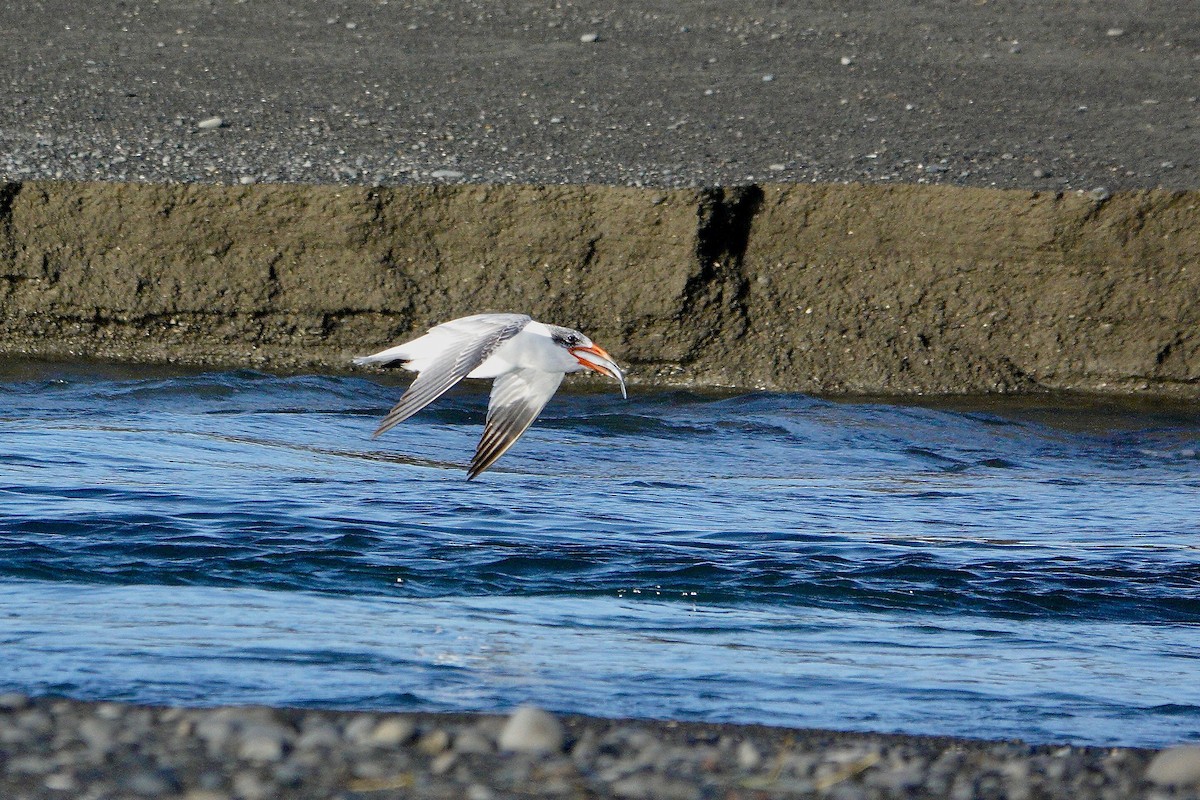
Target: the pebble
(1099, 194)
(588, 38)
(318, 733)
(1176, 766)
(477, 791)
(248, 785)
(31, 765)
(532, 730)
(473, 742)
(262, 743)
(210, 123)
(60, 782)
(442, 764)
(151, 784)
(97, 734)
(13, 701)
(445, 173)
(434, 742)
(392, 732)
(359, 729)
(748, 757)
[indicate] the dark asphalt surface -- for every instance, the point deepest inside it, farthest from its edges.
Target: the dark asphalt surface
(1008, 94)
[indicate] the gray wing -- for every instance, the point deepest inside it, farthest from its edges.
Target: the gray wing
(517, 399)
(470, 348)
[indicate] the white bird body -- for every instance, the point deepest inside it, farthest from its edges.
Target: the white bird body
(525, 358)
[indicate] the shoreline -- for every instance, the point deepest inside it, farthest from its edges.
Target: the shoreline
(821, 289)
(56, 745)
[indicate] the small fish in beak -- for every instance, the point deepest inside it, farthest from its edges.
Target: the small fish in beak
(597, 359)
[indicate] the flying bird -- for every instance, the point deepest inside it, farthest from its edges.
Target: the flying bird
(526, 360)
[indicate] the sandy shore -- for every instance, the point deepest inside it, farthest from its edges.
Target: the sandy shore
(58, 748)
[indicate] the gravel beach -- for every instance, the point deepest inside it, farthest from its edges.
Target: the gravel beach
(1047, 96)
(52, 748)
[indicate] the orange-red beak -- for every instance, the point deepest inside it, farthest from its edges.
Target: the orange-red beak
(595, 358)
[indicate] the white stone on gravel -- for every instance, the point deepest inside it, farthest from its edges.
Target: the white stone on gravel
(1176, 766)
(317, 733)
(359, 729)
(477, 791)
(442, 764)
(653, 787)
(748, 756)
(111, 711)
(60, 782)
(532, 730)
(98, 734)
(588, 38)
(149, 784)
(215, 730)
(210, 123)
(247, 785)
(472, 741)
(445, 173)
(31, 765)
(434, 742)
(393, 731)
(262, 743)
(13, 701)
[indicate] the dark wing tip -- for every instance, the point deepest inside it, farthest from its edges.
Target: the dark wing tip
(484, 459)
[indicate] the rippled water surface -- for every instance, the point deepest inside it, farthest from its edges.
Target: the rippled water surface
(1028, 569)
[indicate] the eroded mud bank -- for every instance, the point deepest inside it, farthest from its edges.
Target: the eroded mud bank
(816, 288)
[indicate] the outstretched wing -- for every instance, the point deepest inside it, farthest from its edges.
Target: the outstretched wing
(451, 351)
(517, 399)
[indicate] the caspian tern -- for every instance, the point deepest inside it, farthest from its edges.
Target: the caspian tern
(526, 359)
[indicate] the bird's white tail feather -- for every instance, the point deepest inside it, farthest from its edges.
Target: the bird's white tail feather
(397, 353)
(417, 354)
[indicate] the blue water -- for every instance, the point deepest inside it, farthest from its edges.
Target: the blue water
(1028, 569)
